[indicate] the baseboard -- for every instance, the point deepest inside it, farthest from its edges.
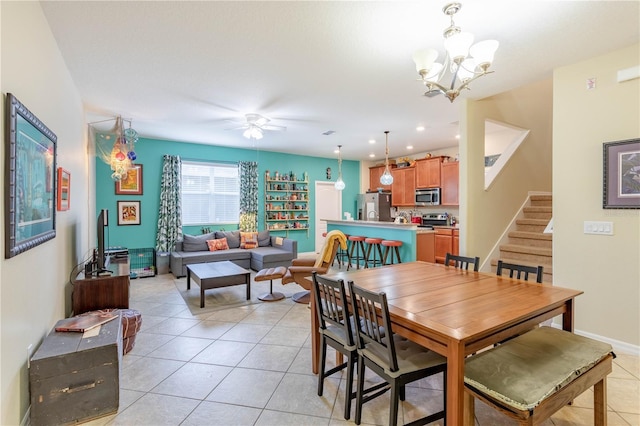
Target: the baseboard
(618, 346)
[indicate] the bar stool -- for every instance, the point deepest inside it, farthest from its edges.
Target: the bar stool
(373, 242)
(343, 255)
(357, 243)
(393, 246)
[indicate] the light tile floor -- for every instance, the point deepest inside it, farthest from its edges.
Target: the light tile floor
(250, 365)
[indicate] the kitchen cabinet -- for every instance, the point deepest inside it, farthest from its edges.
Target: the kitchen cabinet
(428, 173)
(425, 249)
(403, 188)
(374, 178)
(447, 240)
(450, 183)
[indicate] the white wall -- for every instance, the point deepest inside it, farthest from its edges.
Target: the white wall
(606, 268)
(35, 289)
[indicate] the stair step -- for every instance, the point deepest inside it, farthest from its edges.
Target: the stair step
(531, 225)
(535, 239)
(538, 212)
(538, 255)
(541, 200)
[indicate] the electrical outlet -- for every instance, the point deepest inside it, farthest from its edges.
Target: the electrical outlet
(29, 354)
(598, 228)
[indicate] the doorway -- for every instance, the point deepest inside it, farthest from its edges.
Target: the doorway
(328, 206)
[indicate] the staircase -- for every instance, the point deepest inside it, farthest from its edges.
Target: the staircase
(527, 244)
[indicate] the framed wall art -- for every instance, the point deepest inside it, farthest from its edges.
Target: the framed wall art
(30, 181)
(621, 174)
(64, 189)
(128, 213)
(131, 184)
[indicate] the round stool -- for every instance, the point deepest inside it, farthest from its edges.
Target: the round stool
(357, 244)
(271, 274)
(393, 246)
(373, 242)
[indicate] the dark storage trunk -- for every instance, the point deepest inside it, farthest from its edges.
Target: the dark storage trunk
(75, 379)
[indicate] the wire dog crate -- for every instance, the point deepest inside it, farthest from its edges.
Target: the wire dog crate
(142, 262)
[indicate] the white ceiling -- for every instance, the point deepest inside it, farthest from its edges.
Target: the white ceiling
(180, 70)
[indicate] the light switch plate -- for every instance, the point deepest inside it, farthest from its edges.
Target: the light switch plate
(598, 228)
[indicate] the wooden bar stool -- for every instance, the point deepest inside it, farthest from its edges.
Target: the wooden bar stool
(393, 246)
(373, 242)
(357, 244)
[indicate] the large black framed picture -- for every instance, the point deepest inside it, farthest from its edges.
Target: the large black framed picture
(621, 174)
(30, 180)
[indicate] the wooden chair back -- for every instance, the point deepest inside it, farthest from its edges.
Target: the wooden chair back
(462, 261)
(520, 271)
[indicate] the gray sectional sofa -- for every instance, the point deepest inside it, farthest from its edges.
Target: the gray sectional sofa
(271, 251)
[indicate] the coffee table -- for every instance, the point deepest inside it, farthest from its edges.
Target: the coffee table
(217, 274)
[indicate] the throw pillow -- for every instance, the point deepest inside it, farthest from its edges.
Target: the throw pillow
(279, 241)
(233, 238)
(196, 242)
(218, 244)
(248, 240)
(264, 239)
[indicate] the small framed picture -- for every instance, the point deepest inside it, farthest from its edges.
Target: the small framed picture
(621, 175)
(128, 213)
(64, 190)
(131, 184)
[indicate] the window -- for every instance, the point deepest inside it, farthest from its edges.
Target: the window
(210, 193)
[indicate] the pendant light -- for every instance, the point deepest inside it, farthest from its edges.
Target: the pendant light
(339, 185)
(386, 178)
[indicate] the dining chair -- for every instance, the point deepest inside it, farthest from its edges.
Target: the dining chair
(521, 271)
(395, 359)
(331, 306)
(462, 261)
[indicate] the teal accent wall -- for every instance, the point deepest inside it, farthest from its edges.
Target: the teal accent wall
(150, 152)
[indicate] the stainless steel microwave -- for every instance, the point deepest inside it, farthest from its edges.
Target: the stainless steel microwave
(428, 197)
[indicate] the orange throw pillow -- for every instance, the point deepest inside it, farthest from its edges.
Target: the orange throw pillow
(248, 240)
(218, 244)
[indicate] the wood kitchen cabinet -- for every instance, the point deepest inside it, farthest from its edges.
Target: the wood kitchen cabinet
(403, 188)
(447, 240)
(428, 174)
(450, 183)
(374, 178)
(425, 249)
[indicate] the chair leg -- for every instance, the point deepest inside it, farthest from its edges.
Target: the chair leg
(360, 391)
(393, 411)
(366, 256)
(397, 250)
(386, 253)
(347, 399)
(350, 254)
(600, 402)
(321, 363)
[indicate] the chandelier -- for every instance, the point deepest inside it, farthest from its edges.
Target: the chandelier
(464, 62)
(253, 132)
(387, 177)
(339, 185)
(115, 147)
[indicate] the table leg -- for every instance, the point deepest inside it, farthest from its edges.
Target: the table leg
(455, 384)
(201, 294)
(567, 317)
(188, 279)
(248, 281)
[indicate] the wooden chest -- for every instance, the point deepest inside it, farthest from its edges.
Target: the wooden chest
(74, 377)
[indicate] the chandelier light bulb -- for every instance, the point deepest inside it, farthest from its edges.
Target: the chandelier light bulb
(386, 178)
(339, 185)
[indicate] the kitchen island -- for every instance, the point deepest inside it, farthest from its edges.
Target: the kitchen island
(408, 233)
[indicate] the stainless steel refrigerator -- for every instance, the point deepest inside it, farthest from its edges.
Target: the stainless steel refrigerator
(374, 206)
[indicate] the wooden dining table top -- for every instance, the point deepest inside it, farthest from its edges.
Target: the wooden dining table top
(456, 312)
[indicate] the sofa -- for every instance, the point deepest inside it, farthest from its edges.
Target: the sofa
(257, 251)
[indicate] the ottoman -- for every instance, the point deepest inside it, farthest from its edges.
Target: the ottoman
(131, 323)
(271, 274)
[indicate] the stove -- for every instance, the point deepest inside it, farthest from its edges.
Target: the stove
(434, 219)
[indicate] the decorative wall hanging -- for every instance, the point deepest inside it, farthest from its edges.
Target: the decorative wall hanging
(131, 183)
(64, 189)
(621, 175)
(30, 182)
(128, 213)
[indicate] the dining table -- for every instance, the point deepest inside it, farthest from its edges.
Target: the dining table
(456, 312)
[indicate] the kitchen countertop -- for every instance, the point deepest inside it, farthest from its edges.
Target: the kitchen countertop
(375, 223)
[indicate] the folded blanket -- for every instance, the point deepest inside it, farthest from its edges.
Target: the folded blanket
(332, 236)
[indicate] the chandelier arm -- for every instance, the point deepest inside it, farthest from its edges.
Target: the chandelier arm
(466, 83)
(432, 86)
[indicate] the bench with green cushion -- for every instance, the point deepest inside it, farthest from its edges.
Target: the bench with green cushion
(534, 375)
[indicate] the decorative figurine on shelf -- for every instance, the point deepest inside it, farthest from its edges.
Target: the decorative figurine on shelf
(277, 176)
(304, 176)
(328, 173)
(266, 175)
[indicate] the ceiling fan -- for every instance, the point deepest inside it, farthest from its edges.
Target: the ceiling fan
(256, 125)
